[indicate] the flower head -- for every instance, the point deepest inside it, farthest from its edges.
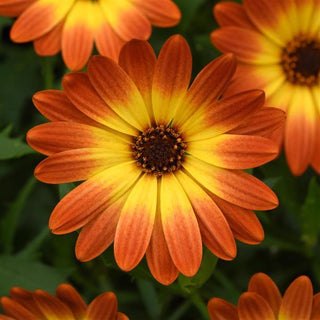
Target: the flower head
(277, 43)
(66, 305)
(162, 161)
(263, 301)
(73, 26)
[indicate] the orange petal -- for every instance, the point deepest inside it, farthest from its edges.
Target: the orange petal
(136, 223)
(78, 164)
(220, 309)
(104, 306)
(315, 161)
(70, 296)
(107, 40)
(316, 307)
(300, 131)
(38, 19)
(234, 186)
(126, 19)
(297, 300)
(214, 228)
(97, 236)
(50, 43)
(248, 45)
(55, 106)
(52, 307)
(12, 8)
(263, 285)
(82, 94)
(53, 137)
(252, 306)
(91, 198)
(234, 151)
(16, 310)
(77, 35)
(161, 14)
(171, 78)
(262, 123)
(138, 59)
(232, 14)
(118, 91)
(207, 88)
(223, 116)
(158, 257)
(272, 17)
(180, 226)
(244, 223)
(2, 317)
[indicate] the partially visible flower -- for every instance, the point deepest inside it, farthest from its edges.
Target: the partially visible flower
(162, 161)
(277, 43)
(263, 301)
(67, 304)
(73, 26)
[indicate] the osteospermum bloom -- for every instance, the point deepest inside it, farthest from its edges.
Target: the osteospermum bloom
(278, 45)
(66, 305)
(263, 301)
(162, 161)
(73, 26)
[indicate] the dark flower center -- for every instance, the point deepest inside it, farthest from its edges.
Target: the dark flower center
(301, 61)
(159, 150)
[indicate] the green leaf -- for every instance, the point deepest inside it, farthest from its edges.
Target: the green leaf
(65, 188)
(11, 148)
(310, 217)
(208, 265)
(16, 271)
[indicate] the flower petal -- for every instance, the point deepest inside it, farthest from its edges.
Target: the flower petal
(234, 151)
(50, 43)
(248, 45)
(300, 131)
(138, 59)
(52, 307)
(158, 257)
(118, 91)
(16, 310)
(171, 78)
(206, 89)
(55, 106)
(263, 285)
(233, 186)
(276, 19)
(79, 164)
(315, 307)
(104, 306)
(161, 14)
(126, 19)
(53, 137)
(77, 35)
(214, 228)
(220, 309)
(315, 161)
(252, 306)
(72, 299)
(223, 116)
(297, 300)
(82, 94)
(136, 223)
(180, 226)
(38, 19)
(92, 197)
(231, 14)
(12, 8)
(97, 235)
(244, 223)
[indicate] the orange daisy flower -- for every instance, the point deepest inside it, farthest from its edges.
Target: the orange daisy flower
(66, 305)
(162, 161)
(277, 43)
(73, 26)
(263, 301)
